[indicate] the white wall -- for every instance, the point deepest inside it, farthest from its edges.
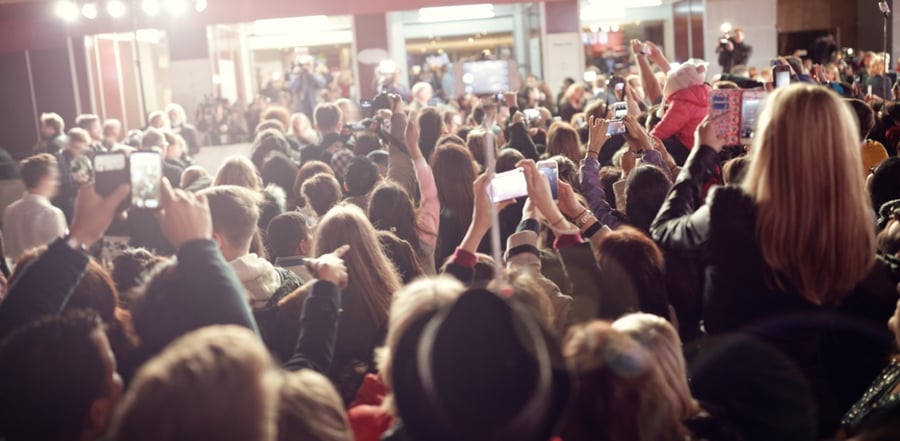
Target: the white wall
(756, 17)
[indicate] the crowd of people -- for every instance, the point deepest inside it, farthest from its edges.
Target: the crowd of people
(340, 283)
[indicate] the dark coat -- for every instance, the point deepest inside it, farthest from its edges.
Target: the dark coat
(839, 348)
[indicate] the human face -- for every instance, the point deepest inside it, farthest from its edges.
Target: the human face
(78, 147)
(47, 132)
(739, 36)
(96, 131)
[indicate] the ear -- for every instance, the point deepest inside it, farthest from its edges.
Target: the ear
(303, 248)
(99, 415)
(220, 240)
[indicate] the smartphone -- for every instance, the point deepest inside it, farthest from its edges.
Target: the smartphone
(146, 180)
(367, 109)
(782, 76)
(616, 128)
(508, 185)
(111, 171)
(620, 87)
(751, 101)
(647, 49)
(620, 109)
(550, 169)
(532, 115)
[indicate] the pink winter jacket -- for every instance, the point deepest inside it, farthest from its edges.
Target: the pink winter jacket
(687, 108)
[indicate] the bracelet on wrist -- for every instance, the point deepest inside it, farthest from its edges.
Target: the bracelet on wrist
(583, 219)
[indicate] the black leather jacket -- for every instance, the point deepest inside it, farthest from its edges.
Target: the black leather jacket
(838, 347)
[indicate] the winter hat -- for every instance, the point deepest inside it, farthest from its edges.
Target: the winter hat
(690, 73)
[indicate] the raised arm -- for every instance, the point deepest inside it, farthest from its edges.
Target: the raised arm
(648, 79)
(589, 174)
(400, 167)
(681, 223)
(44, 286)
(428, 218)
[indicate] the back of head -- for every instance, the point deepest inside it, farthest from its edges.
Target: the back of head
(366, 143)
(328, 117)
(370, 272)
(430, 129)
(54, 121)
(195, 178)
(391, 209)
(86, 120)
(507, 159)
(809, 203)
(401, 255)
(310, 409)
(361, 177)
(194, 388)
(277, 113)
(278, 169)
(885, 183)
(734, 169)
(562, 139)
(620, 389)
(234, 211)
(153, 139)
(645, 191)
(322, 192)
(130, 269)
(865, 116)
(688, 74)
(659, 337)
(308, 170)
(454, 173)
(481, 368)
(284, 233)
(34, 168)
(77, 134)
(268, 125)
(634, 268)
(477, 141)
(51, 371)
(267, 143)
(238, 170)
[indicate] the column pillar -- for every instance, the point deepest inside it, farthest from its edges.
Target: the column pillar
(563, 49)
(370, 31)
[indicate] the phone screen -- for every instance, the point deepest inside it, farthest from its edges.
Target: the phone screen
(782, 77)
(508, 185)
(550, 169)
(616, 128)
(532, 114)
(146, 179)
(750, 103)
(620, 109)
(111, 171)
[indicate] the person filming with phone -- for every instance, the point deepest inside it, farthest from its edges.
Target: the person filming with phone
(732, 50)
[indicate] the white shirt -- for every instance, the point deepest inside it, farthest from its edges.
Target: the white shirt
(30, 222)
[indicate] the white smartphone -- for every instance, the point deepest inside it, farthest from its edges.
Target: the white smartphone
(146, 180)
(550, 169)
(508, 185)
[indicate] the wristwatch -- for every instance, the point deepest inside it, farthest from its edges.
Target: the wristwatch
(584, 218)
(75, 244)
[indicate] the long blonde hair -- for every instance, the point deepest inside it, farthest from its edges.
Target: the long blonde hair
(659, 337)
(814, 219)
(372, 275)
(238, 170)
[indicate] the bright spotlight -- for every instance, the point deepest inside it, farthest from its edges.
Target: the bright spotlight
(201, 5)
(175, 7)
(89, 11)
(67, 10)
(115, 8)
(150, 7)
(725, 28)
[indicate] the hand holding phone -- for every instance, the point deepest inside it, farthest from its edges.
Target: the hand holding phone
(146, 180)
(782, 75)
(550, 169)
(508, 185)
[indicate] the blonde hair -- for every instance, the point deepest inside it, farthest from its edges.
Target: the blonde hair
(372, 276)
(310, 409)
(190, 390)
(659, 337)
(876, 66)
(238, 170)
(621, 391)
(421, 297)
(814, 219)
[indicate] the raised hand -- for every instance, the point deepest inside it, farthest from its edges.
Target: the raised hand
(568, 203)
(635, 135)
(706, 134)
(184, 216)
(511, 99)
(637, 46)
(331, 267)
(94, 213)
(597, 134)
(540, 195)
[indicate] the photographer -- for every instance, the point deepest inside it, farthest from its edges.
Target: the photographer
(733, 51)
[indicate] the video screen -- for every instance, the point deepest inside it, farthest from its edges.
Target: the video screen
(485, 77)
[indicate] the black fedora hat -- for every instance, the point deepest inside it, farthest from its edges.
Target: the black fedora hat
(479, 369)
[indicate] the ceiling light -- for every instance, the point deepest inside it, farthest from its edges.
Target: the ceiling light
(66, 10)
(115, 8)
(201, 5)
(456, 13)
(175, 7)
(150, 7)
(89, 11)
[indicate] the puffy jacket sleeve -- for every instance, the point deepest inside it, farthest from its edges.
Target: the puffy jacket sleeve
(428, 219)
(680, 224)
(677, 116)
(318, 329)
(596, 196)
